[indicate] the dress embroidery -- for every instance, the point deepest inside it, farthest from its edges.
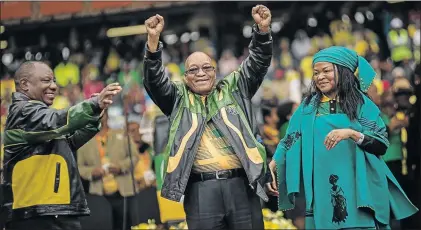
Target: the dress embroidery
(338, 201)
(373, 127)
(291, 139)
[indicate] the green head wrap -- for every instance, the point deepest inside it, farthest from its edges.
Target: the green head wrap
(348, 58)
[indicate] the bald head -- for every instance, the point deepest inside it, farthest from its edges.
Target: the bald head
(198, 58)
(27, 69)
(36, 80)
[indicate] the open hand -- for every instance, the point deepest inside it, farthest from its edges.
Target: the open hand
(271, 187)
(106, 95)
(154, 26)
(262, 17)
(335, 136)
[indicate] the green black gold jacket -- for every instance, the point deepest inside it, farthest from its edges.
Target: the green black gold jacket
(228, 106)
(41, 175)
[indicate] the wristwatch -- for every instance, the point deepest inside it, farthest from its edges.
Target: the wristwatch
(360, 140)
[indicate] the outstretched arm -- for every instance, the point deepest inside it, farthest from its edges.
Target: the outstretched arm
(157, 84)
(83, 135)
(45, 124)
(254, 68)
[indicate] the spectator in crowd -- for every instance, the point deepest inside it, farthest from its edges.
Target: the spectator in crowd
(67, 72)
(143, 171)
(414, 147)
(286, 60)
(386, 68)
(301, 45)
(62, 99)
(270, 134)
(105, 163)
(75, 94)
(146, 199)
(374, 93)
(128, 76)
(270, 138)
(91, 80)
(227, 63)
(285, 111)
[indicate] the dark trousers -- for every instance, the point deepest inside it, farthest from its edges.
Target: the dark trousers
(46, 222)
(117, 205)
(222, 204)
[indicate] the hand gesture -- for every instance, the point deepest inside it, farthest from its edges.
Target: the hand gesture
(271, 187)
(98, 172)
(114, 169)
(262, 17)
(106, 95)
(154, 26)
(335, 136)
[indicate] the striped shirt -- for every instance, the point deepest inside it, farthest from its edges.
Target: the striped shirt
(214, 152)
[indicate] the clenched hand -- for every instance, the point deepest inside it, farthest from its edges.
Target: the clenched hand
(154, 26)
(262, 16)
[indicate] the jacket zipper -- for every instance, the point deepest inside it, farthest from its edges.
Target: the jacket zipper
(57, 178)
(196, 146)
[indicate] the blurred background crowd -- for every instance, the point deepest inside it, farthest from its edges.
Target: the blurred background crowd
(89, 44)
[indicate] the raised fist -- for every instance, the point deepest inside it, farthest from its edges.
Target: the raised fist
(262, 17)
(154, 26)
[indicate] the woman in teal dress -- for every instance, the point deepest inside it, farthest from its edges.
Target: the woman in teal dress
(332, 150)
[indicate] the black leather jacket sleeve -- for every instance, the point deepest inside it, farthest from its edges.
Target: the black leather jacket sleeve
(373, 146)
(39, 123)
(81, 136)
(255, 66)
(158, 85)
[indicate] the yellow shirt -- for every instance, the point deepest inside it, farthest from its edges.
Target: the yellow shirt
(306, 66)
(67, 73)
(214, 152)
(60, 102)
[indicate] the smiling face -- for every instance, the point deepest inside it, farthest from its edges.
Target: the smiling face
(200, 74)
(40, 84)
(324, 77)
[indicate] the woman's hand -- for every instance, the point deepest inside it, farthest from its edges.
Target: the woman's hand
(272, 188)
(337, 135)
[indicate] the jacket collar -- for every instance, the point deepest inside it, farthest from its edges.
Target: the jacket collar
(17, 96)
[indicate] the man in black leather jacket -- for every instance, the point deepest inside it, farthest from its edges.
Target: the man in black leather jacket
(214, 160)
(42, 183)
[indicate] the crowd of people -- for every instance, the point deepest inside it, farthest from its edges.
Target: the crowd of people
(395, 90)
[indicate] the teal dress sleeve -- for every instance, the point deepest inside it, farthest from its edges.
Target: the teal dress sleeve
(374, 176)
(372, 123)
